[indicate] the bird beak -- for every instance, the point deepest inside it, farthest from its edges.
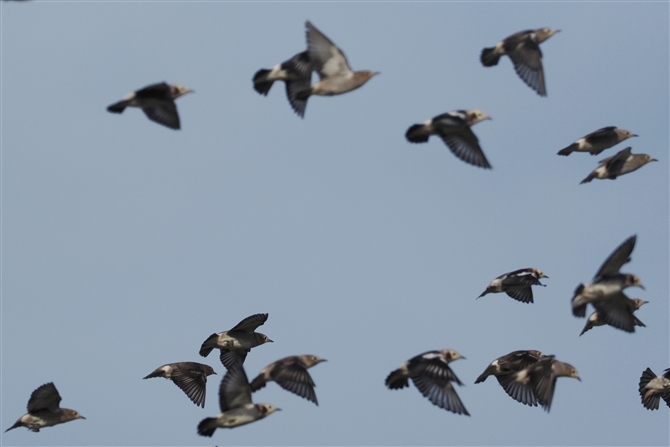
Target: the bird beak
(653, 159)
(642, 287)
(579, 378)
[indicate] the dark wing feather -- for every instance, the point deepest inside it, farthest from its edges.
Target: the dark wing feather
(617, 259)
(250, 324)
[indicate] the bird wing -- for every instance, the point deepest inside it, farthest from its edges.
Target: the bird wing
(160, 91)
(44, 397)
(518, 360)
(433, 365)
(464, 144)
(234, 390)
(293, 377)
(616, 162)
(543, 381)
(520, 392)
(524, 295)
(164, 113)
(441, 393)
(232, 357)
(327, 59)
(250, 323)
(615, 311)
(527, 59)
(193, 383)
(618, 258)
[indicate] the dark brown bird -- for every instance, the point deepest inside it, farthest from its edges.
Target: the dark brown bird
(44, 410)
(236, 342)
(523, 48)
(191, 377)
(296, 74)
(432, 375)
(619, 164)
(156, 101)
(291, 374)
(596, 320)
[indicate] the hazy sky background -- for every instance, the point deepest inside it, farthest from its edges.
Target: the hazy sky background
(126, 244)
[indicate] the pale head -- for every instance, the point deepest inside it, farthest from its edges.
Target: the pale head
(450, 355)
(475, 115)
(636, 303)
(623, 134)
(177, 90)
(265, 409)
(633, 281)
(538, 273)
(311, 360)
(545, 33)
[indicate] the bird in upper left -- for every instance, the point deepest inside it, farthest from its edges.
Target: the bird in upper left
(156, 101)
(44, 410)
(517, 284)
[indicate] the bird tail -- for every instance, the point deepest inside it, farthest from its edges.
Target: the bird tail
(587, 326)
(118, 107)
(568, 150)
(17, 424)
(396, 381)
(261, 84)
(417, 134)
(483, 376)
(579, 310)
(207, 426)
(590, 177)
(638, 322)
(489, 57)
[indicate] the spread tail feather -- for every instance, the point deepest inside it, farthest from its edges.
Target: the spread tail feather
(489, 57)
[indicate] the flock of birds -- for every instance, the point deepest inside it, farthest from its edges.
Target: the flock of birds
(528, 376)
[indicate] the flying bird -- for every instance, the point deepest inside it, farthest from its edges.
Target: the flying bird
(291, 374)
(597, 141)
(517, 284)
(621, 163)
(653, 387)
(44, 410)
(236, 405)
(523, 48)
(335, 74)
(191, 377)
(537, 381)
(605, 291)
(596, 320)
(296, 74)
(432, 375)
(235, 343)
(156, 101)
(454, 129)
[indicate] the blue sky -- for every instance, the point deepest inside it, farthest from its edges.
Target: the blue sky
(126, 244)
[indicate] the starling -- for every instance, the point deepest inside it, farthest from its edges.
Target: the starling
(621, 163)
(605, 292)
(517, 284)
(523, 48)
(296, 74)
(291, 374)
(596, 142)
(191, 377)
(156, 101)
(454, 129)
(538, 381)
(44, 410)
(236, 406)
(432, 375)
(595, 319)
(236, 342)
(653, 387)
(335, 74)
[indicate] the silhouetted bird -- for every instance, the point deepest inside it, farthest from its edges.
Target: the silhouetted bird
(236, 406)
(517, 284)
(523, 48)
(335, 74)
(538, 381)
(156, 101)
(44, 410)
(291, 374)
(596, 320)
(432, 375)
(621, 163)
(191, 377)
(653, 387)
(296, 74)
(605, 292)
(236, 342)
(454, 129)
(596, 142)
